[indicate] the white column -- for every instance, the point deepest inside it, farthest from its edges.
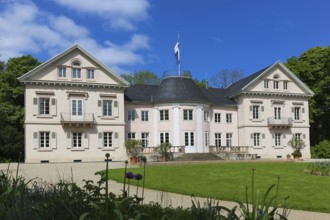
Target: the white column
(155, 125)
(176, 125)
(199, 129)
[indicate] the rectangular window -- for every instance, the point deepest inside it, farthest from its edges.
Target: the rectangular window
(229, 137)
(229, 118)
(296, 113)
(131, 115)
(255, 111)
(189, 138)
(144, 115)
(131, 135)
(297, 136)
(285, 85)
(217, 117)
(145, 139)
(44, 139)
(76, 139)
(90, 73)
(275, 84)
(62, 72)
(277, 139)
(107, 139)
(44, 106)
(164, 137)
(163, 115)
(217, 139)
(266, 83)
(76, 109)
(188, 115)
(207, 139)
(256, 139)
(206, 116)
(277, 113)
(107, 108)
(76, 73)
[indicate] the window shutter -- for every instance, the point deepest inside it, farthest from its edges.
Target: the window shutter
(251, 108)
(116, 140)
(263, 136)
(99, 106)
(251, 139)
(53, 107)
(284, 136)
(100, 140)
(68, 140)
(303, 110)
(35, 106)
(304, 136)
(251, 135)
(292, 109)
(53, 140)
(35, 141)
(86, 140)
(115, 109)
(262, 108)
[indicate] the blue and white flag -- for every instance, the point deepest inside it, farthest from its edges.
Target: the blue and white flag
(177, 52)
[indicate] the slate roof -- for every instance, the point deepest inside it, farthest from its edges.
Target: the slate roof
(237, 87)
(218, 96)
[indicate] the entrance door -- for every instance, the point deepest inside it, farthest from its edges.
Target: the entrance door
(77, 109)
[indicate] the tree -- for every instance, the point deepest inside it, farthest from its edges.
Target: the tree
(322, 150)
(142, 77)
(226, 77)
(12, 105)
(313, 68)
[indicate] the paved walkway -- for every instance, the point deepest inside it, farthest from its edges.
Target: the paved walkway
(53, 172)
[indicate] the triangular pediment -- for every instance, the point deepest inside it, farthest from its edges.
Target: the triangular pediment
(74, 66)
(277, 79)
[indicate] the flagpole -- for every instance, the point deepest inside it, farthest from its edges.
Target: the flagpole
(179, 53)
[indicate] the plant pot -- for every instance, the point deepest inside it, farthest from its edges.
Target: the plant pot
(133, 159)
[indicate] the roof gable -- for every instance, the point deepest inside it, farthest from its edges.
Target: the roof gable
(48, 71)
(276, 72)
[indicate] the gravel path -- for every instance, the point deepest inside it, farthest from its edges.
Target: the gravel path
(53, 172)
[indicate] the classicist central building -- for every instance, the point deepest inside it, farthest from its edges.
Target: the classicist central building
(76, 109)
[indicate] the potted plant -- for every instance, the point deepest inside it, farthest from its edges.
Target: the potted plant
(297, 145)
(133, 148)
(164, 151)
(288, 156)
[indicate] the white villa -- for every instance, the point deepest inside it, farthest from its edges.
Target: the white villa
(77, 109)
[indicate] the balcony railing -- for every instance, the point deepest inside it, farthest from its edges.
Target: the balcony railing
(283, 122)
(86, 119)
(222, 149)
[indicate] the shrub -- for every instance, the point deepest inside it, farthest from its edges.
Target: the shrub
(322, 150)
(319, 168)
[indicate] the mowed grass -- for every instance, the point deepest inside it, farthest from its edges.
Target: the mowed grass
(228, 181)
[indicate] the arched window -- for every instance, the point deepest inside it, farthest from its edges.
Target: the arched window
(76, 69)
(275, 84)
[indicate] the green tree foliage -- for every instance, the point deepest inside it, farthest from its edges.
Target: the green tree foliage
(142, 77)
(322, 150)
(12, 105)
(313, 68)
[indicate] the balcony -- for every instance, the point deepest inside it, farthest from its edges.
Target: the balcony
(84, 120)
(279, 123)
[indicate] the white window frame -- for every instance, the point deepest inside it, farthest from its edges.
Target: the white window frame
(44, 139)
(189, 138)
(285, 85)
(77, 138)
(107, 107)
(131, 135)
(188, 114)
(256, 140)
(275, 84)
(107, 140)
(44, 106)
(144, 115)
(145, 139)
(76, 73)
(297, 114)
(207, 139)
(277, 139)
(266, 83)
(229, 118)
(61, 72)
(164, 115)
(255, 111)
(131, 115)
(277, 112)
(206, 116)
(90, 74)
(217, 139)
(229, 139)
(164, 137)
(217, 117)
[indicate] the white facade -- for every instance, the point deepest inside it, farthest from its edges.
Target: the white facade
(75, 110)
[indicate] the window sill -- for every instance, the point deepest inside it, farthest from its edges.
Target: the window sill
(44, 150)
(62, 78)
(298, 121)
(44, 116)
(108, 117)
(257, 147)
(278, 147)
(256, 120)
(108, 149)
(90, 80)
(76, 79)
(77, 149)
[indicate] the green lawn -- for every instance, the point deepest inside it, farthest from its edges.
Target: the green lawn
(227, 181)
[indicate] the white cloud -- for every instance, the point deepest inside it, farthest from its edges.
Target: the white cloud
(119, 14)
(25, 28)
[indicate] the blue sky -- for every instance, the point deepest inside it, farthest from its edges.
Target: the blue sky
(132, 35)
